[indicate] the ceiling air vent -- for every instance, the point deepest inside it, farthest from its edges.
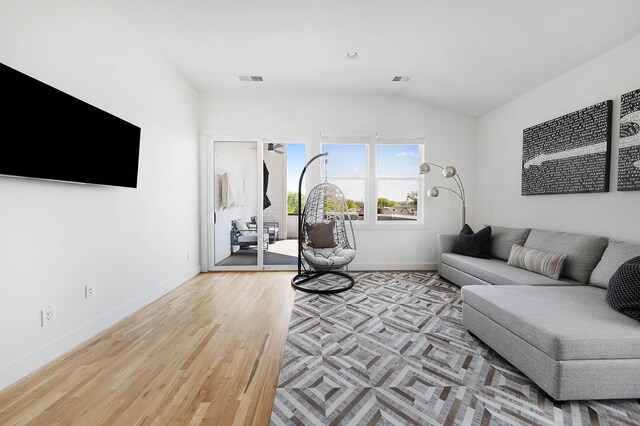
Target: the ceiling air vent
(250, 78)
(401, 78)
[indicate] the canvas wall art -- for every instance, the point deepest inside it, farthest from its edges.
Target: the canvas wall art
(629, 150)
(569, 154)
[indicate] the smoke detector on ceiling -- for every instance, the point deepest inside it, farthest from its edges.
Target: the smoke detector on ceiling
(250, 78)
(402, 78)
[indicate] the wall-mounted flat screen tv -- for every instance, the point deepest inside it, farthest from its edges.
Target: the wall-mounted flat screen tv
(48, 134)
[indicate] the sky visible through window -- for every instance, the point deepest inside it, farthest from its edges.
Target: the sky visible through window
(349, 160)
(296, 159)
(392, 161)
(346, 160)
(399, 161)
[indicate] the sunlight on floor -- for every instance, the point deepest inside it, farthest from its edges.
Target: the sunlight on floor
(286, 247)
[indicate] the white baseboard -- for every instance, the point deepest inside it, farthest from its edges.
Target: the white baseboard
(21, 368)
(393, 267)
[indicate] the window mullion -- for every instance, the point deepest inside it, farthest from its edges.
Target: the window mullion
(372, 196)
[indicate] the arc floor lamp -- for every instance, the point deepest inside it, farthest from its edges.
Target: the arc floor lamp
(449, 172)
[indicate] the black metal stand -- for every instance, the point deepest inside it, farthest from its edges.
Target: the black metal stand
(306, 276)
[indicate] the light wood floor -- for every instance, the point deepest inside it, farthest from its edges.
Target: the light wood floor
(207, 353)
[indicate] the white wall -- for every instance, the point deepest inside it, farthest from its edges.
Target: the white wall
(613, 214)
(451, 140)
(237, 159)
(57, 237)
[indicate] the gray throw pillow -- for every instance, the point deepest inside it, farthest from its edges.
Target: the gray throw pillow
(321, 234)
(502, 239)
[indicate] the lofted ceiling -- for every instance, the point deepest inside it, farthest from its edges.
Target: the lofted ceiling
(467, 56)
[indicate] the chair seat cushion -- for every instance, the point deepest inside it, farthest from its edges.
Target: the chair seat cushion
(248, 238)
(497, 271)
(566, 323)
(251, 237)
(328, 257)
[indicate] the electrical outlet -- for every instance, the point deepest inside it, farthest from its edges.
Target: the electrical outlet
(89, 291)
(187, 256)
(47, 315)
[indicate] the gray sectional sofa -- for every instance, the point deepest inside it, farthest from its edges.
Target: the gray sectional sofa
(560, 333)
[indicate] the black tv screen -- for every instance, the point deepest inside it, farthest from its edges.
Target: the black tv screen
(48, 134)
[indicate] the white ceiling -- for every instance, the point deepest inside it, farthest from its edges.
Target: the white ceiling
(468, 56)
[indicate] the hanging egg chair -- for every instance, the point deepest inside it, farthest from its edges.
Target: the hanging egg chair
(323, 239)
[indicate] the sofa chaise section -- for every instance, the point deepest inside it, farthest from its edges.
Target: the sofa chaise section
(565, 338)
(562, 334)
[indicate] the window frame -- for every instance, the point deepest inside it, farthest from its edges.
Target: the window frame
(371, 140)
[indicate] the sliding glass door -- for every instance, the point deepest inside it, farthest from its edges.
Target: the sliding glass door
(252, 200)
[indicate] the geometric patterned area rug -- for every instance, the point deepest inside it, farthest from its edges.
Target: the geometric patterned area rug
(392, 350)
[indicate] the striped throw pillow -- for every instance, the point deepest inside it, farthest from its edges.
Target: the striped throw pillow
(539, 261)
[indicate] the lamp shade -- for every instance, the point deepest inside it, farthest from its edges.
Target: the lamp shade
(424, 168)
(433, 192)
(449, 171)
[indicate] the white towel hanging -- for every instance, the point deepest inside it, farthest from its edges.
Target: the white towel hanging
(232, 191)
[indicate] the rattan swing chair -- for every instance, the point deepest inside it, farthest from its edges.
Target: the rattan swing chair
(326, 207)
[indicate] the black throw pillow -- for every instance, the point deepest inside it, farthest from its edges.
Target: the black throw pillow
(474, 245)
(623, 293)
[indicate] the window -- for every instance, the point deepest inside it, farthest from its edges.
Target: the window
(397, 182)
(347, 168)
(378, 175)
